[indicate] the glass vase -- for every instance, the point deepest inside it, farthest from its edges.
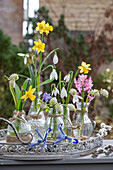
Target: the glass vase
(36, 121)
(53, 121)
(82, 120)
(22, 126)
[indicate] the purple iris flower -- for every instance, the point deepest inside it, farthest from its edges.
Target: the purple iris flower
(46, 97)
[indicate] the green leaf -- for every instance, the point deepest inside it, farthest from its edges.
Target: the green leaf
(32, 76)
(25, 84)
(46, 82)
(18, 91)
(48, 56)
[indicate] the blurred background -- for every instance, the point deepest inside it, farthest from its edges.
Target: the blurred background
(82, 29)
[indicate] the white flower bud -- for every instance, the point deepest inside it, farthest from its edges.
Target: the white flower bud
(53, 74)
(12, 84)
(55, 59)
(67, 78)
(55, 91)
(71, 107)
(104, 93)
(53, 101)
(13, 77)
(107, 70)
(108, 81)
(59, 108)
(63, 93)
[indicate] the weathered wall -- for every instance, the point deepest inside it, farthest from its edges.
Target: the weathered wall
(81, 15)
(11, 18)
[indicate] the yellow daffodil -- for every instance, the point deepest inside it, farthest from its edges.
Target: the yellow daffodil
(29, 94)
(48, 28)
(40, 27)
(39, 46)
(84, 68)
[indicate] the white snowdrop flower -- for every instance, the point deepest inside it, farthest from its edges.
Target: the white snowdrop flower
(76, 98)
(63, 93)
(13, 77)
(55, 59)
(67, 78)
(25, 57)
(59, 108)
(71, 107)
(73, 92)
(53, 101)
(95, 92)
(107, 127)
(102, 125)
(109, 88)
(104, 92)
(43, 106)
(53, 74)
(108, 81)
(107, 70)
(55, 91)
(12, 83)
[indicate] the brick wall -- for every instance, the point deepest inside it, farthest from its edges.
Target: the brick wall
(84, 15)
(11, 18)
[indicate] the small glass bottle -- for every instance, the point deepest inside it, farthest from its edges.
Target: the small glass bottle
(82, 119)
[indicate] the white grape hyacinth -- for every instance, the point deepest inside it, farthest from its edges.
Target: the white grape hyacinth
(55, 59)
(63, 92)
(53, 75)
(67, 78)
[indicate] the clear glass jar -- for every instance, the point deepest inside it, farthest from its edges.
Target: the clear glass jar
(22, 127)
(53, 121)
(82, 119)
(36, 121)
(68, 128)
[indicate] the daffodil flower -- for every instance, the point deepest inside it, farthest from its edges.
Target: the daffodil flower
(53, 74)
(39, 46)
(84, 68)
(55, 59)
(40, 27)
(48, 28)
(29, 94)
(63, 92)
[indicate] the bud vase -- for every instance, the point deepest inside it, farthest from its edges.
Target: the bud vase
(83, 122)
(53, 121)
(36, 121)
(21, 125)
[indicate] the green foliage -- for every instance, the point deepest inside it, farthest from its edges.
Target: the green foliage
(9, 63)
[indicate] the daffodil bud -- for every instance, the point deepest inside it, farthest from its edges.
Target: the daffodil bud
(67, 78)
(53, 74)
(55, 59)
(63, 93)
